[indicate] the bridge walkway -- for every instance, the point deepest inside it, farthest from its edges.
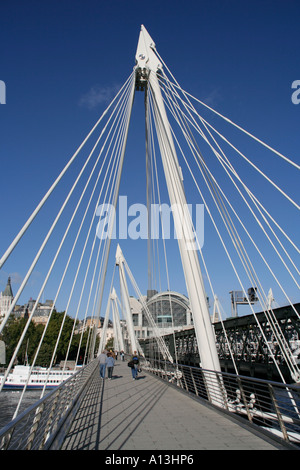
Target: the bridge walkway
(148, 414)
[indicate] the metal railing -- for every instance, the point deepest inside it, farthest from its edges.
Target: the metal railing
(273, 406)
(38, 425)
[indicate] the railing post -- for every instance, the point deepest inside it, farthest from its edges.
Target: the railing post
(50, 418)
(6, 440)
(280, 420)
(244, 399)
(207, 390)
(34, 426)
(223, 390)
(194, 383)
(184, 385)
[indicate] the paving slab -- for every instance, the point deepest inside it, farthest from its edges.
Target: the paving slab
(148, 414)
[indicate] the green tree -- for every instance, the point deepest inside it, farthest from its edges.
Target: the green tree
(13, 331)
(55, 328)
(11, 335)
(110, 343)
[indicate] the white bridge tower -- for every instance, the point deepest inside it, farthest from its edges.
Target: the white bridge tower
(148, 67)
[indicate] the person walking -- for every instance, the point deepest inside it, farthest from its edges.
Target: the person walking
(110, 362)
(112, 353)
(122, 355)
(134, 368)
(102, 360)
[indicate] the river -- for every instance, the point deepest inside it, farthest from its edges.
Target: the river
(9, 400)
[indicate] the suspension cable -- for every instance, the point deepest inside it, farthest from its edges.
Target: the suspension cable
(225, 118)
(293, 362)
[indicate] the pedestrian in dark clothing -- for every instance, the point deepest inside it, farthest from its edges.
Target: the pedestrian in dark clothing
(135, 362)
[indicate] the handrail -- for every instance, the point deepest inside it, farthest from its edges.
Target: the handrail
(273, 406)
(37, 426)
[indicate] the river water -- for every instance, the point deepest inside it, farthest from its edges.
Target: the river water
(9, 400)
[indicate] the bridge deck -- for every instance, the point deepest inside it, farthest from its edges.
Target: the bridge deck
(148, 414)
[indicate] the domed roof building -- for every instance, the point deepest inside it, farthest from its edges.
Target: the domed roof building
(170, 312)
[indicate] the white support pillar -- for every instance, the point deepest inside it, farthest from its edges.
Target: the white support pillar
(104, 328)
(125, 298)
(116, 320)
(116, 339)
(270, 299)
(147, 66)
(115, 200)
(216, 312)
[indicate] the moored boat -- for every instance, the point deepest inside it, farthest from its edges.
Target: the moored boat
(16, 380)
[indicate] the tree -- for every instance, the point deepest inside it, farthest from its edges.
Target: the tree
(13, 331)
(110, 343)
(59, 325)
(11, 335)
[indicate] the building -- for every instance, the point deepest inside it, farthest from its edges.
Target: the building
(91, 322)
(6, 299)
(169, 310)
(41, 313)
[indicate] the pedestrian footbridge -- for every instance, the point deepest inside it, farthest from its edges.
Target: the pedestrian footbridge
(149, 413)
(170, 406)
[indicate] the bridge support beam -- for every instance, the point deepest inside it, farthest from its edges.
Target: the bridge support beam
(119, 342)
(148, 65)
(102, 343)
(125, 298)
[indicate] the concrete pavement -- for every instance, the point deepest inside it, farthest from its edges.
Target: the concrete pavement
(148, 414)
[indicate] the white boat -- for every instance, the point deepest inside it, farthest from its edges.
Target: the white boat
(17, 379)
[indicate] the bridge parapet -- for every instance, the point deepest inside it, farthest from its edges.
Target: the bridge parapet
(272, 406)
(38, 426)
(244, 343)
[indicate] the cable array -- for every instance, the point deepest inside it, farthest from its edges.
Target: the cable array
(99, 180)
(192, 125)
(90, 182)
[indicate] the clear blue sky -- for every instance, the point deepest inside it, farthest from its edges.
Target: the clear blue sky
(241, 57)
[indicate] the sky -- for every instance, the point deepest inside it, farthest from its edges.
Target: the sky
(63, 61)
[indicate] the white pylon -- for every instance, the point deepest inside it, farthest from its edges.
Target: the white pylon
(147, 68)
(104, 328)
(270, 299)
(119, 342)
(125, 299)
(216, 312)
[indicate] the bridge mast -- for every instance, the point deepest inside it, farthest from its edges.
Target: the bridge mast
(148, 68)
(116, 319)
(125, 298)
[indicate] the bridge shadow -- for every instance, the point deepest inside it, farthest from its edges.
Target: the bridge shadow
(127, 415)
(137, 419)
(149, 414)
(100, 412)
(112, 410)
